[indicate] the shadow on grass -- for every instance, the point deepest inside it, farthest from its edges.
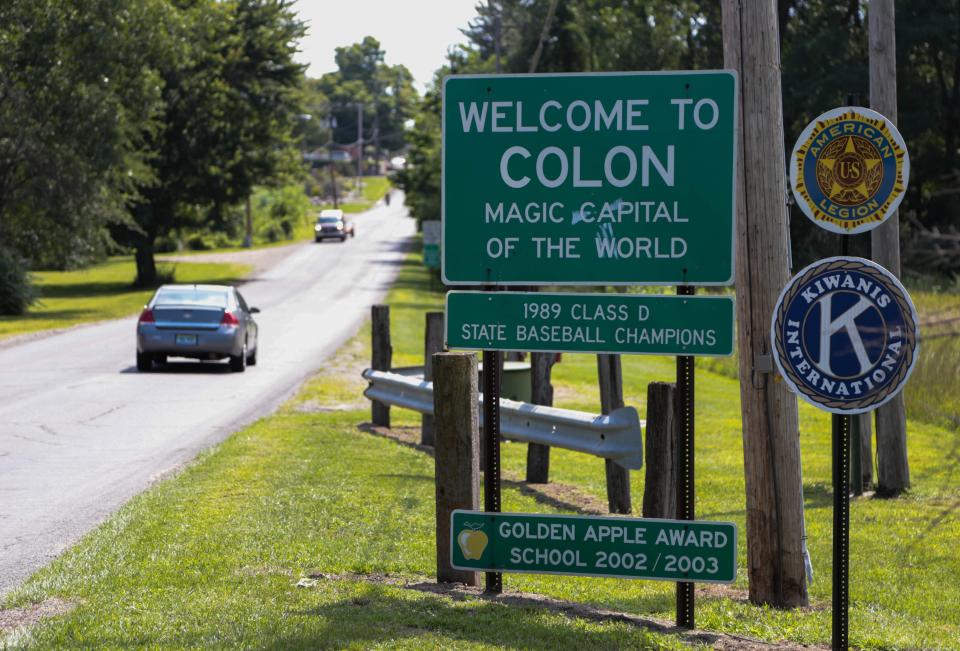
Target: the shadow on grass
(84, 290)
(374, 616)
(541, 496)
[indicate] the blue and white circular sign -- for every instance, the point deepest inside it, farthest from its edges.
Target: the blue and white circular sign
(844, 335)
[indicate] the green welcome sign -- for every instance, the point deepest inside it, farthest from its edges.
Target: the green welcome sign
(632, 548)
(590, 323)
(592, 179)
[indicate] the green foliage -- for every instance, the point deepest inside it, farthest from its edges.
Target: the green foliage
(384, 93)
(77, 101)
(277, 212)
(16, 291)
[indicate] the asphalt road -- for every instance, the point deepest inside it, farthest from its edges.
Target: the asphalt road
(81, 431)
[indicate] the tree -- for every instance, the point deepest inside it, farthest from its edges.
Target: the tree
(230, 102)
(384, 94)
(77, 103)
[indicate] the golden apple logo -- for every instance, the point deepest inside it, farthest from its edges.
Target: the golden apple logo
(472, 540)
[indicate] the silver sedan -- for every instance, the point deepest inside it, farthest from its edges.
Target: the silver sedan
(197, 321)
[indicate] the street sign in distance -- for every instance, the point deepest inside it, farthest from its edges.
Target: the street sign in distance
(589, 179)
(629, 548)
(845, 335)
(849, 170)
(431, 243)
(590, 323)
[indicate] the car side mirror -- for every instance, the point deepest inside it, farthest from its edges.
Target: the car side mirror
(254, 310)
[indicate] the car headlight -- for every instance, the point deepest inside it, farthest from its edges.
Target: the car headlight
(317, 227)
(339, 226)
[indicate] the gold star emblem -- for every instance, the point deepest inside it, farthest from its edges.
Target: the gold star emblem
(849, 171)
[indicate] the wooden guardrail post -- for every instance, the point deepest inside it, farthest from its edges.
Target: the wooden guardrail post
(538, 456)
(660, 452)
(382, 356)
(432, 343)
(611, 398)
(457, 447)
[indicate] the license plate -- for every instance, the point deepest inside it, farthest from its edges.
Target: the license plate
(187, 340)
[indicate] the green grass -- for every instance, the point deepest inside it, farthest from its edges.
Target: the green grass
(212, 557)
(103, 291)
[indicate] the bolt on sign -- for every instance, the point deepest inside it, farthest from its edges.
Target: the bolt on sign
(589, 179)
(845, 335)
(591, 323)
(849, 170)
(629, 548)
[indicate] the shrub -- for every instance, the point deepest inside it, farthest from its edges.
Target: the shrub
(17, 292)
(197, 242)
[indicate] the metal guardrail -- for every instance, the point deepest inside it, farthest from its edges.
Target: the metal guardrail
(616, 436)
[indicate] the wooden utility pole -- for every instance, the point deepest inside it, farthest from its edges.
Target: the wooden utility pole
(893, 471)
(771, 440)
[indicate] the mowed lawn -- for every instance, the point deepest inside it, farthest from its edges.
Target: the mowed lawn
(306, 531)
(103, 291)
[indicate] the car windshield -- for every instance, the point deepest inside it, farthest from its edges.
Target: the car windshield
(329, 220)
(207, 297)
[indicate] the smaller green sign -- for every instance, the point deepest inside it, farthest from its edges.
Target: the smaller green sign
(629, 548)
(431, 256)
(431, 243)
(590, 323)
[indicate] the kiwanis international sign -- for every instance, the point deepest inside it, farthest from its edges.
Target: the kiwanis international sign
(630, 548)
(845, 335)
(594, 179)
(849, 170)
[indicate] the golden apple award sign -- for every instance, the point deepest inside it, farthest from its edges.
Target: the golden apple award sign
(849, 170)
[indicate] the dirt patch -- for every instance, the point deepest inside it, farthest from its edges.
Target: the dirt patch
(14, 618)
(318, 407)
(458, 592)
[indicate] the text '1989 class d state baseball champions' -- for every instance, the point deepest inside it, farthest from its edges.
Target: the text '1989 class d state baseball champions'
(589, 179)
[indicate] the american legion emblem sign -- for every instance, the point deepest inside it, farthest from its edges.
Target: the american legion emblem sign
(849, 170)
(845, 335)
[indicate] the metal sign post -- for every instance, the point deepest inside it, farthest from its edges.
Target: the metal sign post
(491, 424)
(685, 466)
(841, 530)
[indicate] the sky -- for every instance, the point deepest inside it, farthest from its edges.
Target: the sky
(415, 34)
